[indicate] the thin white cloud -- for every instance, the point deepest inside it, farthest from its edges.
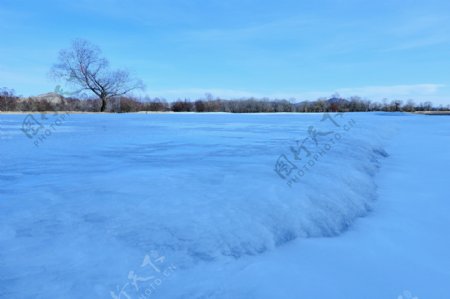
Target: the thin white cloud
(419, 43)
(393, 90)
(419, 31)
(27, 82)
(284, 27)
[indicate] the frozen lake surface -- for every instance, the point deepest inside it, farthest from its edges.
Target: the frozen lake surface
(224, 206)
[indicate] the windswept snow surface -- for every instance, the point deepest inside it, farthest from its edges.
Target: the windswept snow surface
(190, 206)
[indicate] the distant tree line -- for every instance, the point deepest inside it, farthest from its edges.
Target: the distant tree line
(9, 101)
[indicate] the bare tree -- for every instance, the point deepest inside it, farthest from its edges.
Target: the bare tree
(82, 65)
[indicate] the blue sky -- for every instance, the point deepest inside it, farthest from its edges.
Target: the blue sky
(292, 49)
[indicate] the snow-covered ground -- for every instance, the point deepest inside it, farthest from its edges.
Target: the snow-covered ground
(217, 206)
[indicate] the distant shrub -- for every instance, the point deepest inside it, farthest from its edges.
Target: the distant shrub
(182, 106)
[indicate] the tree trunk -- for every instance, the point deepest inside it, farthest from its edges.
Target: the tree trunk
(102, 109)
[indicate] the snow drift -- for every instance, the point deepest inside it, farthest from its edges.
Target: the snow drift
(194, 187)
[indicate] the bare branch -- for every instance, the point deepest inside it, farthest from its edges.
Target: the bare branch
(83, 66)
